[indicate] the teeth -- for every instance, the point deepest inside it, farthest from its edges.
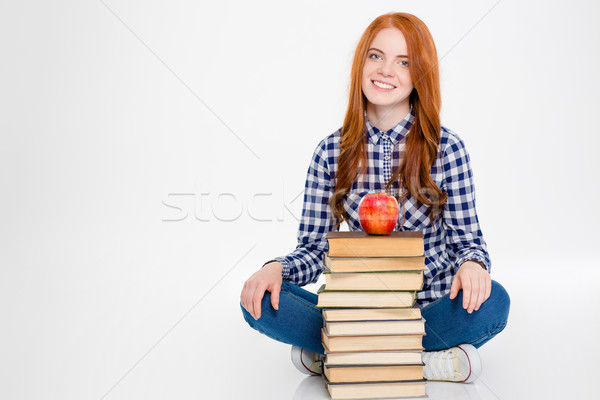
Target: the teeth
(382, 85)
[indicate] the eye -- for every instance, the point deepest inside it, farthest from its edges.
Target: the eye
(404, 63)
(374, 56)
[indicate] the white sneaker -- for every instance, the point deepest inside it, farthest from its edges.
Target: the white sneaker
(457, 364)
(306, 361)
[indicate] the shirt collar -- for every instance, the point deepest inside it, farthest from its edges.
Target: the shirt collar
(396, 133)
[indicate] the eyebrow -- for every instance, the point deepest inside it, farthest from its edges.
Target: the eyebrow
(373, 48)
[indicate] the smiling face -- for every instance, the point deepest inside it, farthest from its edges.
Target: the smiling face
(386, 81)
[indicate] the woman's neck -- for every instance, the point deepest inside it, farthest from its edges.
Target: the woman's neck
(385, 118)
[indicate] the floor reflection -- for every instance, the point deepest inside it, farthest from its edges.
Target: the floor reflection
(451, 391)
(311, 388)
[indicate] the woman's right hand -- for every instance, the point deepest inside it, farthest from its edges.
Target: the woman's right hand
(267, 278)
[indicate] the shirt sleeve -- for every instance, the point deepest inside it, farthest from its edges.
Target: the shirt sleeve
(464, 239)
(305, 263)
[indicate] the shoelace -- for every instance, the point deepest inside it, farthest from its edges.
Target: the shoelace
(434, 365)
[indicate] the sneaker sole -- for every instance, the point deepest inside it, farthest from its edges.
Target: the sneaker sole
(298, 355)
(474, 365)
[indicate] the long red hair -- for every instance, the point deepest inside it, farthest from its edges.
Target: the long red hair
(422, 142)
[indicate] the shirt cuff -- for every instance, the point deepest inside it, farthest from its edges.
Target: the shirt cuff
(483, 261)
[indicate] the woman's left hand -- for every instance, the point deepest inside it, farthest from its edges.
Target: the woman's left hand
(475, 283)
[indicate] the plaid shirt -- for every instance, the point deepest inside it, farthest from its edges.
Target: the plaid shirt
(455, 238)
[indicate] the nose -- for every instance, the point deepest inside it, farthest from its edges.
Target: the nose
(386, 68)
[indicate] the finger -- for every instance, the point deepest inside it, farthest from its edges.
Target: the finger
(466, 288)
(488, 287)
(275, 296)
(474, 294)
(249, 304)
(481, 292)
(244, 297)
(256, 300)
(242, 294)
(454, 288)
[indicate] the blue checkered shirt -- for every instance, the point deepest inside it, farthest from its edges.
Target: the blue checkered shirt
(454, 238)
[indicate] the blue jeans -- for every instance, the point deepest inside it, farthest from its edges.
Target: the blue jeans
(447, 324)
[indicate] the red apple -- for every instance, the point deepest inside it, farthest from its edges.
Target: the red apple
(378, 213)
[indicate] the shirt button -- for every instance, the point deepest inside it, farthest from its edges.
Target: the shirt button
(386, 158)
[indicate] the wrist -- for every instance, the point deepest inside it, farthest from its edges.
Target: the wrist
(274, 264)
(269, 262)
(475, 263)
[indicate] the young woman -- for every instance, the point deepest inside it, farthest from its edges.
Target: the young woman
(391, 139)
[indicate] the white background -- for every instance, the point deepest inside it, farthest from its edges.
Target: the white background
(152, 155)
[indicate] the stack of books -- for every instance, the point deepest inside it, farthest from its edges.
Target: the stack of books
(372, 332)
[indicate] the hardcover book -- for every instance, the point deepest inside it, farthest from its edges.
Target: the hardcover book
(381, 390)
(360, 244)
(371, 343)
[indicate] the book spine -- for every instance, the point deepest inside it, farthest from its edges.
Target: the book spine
(363, 247)
(359, 256)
